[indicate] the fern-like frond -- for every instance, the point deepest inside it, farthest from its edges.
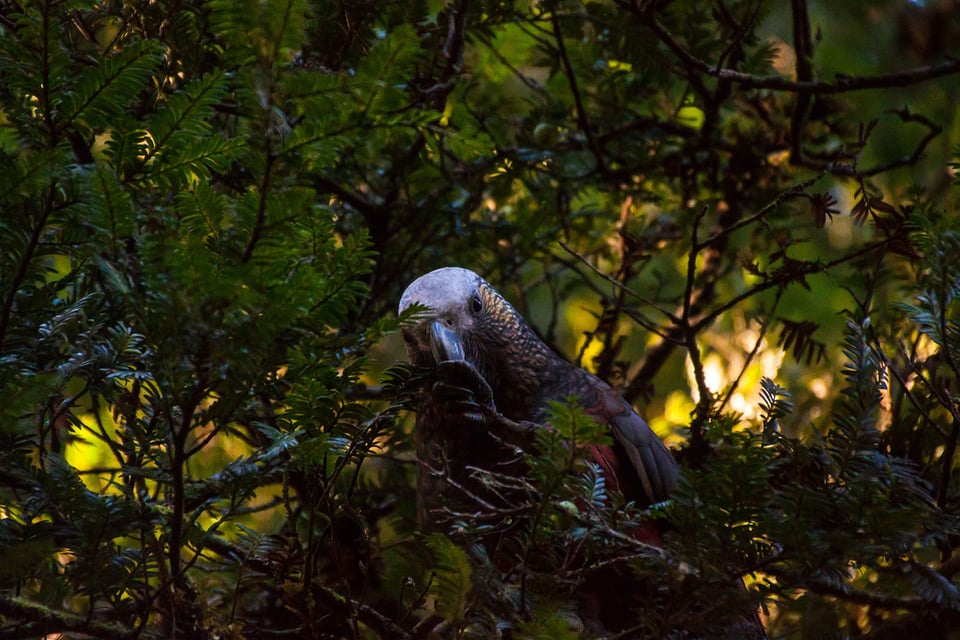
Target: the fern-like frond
(775, 403)
(267, 30)
(196, 161)
(203, 210)
(105, 205)
(183, 117)
(29, 172)
(384, 72)
(452, 577)
(104, 92)
(34, 68)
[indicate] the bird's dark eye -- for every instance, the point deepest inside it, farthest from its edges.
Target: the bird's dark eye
(476, 303)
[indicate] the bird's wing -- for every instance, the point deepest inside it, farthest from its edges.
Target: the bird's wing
(651, 461)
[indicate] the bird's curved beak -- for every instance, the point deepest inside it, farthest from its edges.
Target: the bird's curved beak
(445, 344)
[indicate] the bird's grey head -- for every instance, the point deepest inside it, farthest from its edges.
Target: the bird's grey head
(450, 291)
(455, 299)
(468, 320)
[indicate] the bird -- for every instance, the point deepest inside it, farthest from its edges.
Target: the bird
(491, 384)
(480, 339)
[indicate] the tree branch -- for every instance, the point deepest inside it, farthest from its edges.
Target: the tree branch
(261, 207)
(803, 46)
(582, 119)
(39, 621)
(842, 82)
(878, 600)
(24, 266)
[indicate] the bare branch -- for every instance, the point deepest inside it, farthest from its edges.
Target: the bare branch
(803, 46)
(619, 285)
(582, 119)
(842, 83)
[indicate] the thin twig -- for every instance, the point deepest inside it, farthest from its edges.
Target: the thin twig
(647, 301)
(25, 260)
(582, 119)
(693, 350)
(258, 223)
(793, 192)
(764, 326)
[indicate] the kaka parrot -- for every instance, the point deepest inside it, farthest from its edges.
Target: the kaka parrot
(494, 378)
(483, 345)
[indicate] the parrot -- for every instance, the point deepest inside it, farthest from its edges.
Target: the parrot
(493, 382)
(480, 341)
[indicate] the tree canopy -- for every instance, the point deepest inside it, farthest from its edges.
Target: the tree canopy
(740, 213)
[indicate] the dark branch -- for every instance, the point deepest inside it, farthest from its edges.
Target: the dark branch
(582, 119)
(39, 621)
(842, 82)
(803, 45)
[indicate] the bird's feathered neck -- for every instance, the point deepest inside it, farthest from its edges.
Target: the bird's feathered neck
(519, 367)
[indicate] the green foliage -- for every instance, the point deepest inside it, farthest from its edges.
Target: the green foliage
(451, 584)
(208, 211)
